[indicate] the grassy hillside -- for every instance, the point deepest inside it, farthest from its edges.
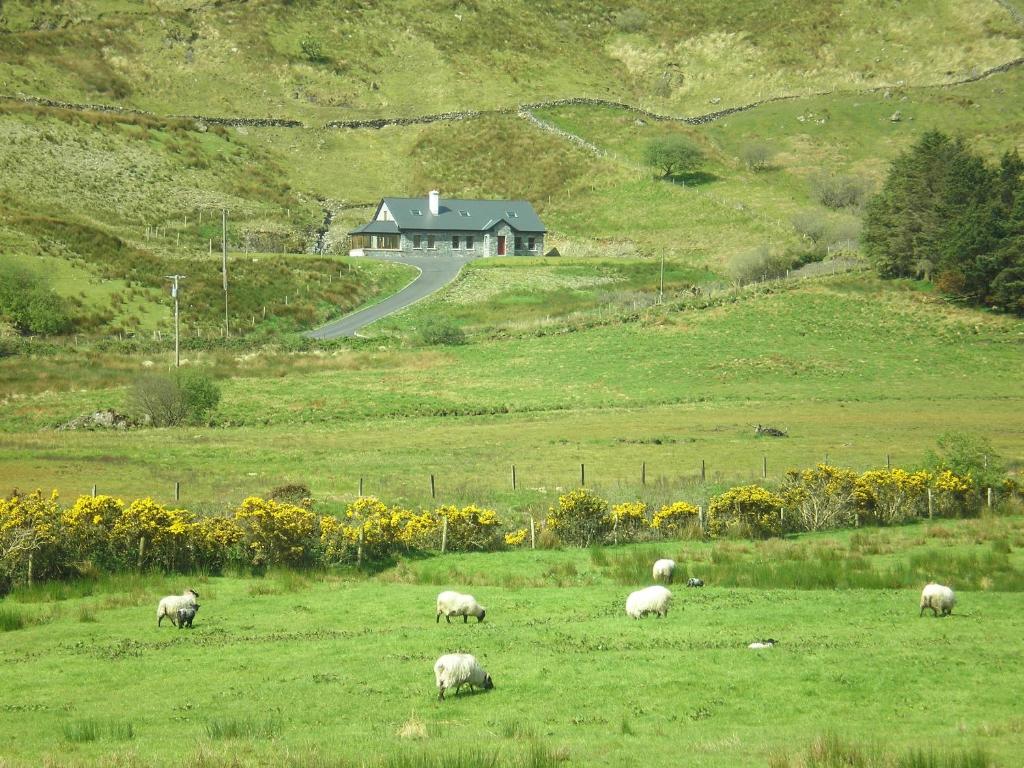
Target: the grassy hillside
(319, 60)
(313, 670)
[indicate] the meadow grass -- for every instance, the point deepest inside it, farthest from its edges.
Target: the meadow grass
(338, 672)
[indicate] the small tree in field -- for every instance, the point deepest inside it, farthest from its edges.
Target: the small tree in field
(673, 155)
(167, 401)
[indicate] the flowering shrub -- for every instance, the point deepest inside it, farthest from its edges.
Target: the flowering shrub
(276, 533)
(422, 531)
(952, 494)
(749, 510)
(30, 530)
(890, 496)
(580, 519)
(820, 498)
(675, 519)
(213, 541)
(471, 528)
(147, 534)
(516, 538)
(628, 520)
(86, 528)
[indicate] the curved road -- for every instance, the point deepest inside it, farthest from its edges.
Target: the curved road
(435, 273)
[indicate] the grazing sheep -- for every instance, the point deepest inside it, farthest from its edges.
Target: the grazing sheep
(939, 598)
(454, 670)
(456, 604)
(186, 614)
(654, 599)
(169, 605)
(663, 570)
(694, 582)
(769, 643)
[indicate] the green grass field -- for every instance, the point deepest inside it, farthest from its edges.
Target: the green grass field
(336, 670)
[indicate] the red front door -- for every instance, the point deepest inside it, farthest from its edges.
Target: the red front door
(501, 245)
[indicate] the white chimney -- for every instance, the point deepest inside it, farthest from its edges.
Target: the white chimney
(433, 202)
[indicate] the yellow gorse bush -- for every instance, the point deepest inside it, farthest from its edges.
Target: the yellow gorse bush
(580, 519)
(628, 520)
(277, 533)
(516, 538)
(151, 534)
(892, 495)
(674, 519)
(820, 498)
(748, 510)
(470, 528)
(30, 531)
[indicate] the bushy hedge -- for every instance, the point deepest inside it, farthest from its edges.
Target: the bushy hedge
(42, 539)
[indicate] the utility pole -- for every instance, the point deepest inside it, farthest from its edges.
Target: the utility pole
(224, 263)
(174, 294)
(661, 292)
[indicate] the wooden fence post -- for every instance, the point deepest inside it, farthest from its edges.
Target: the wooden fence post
(513, 477)
(703, 472)
(30, 571)
(142, 551)
(888, 461)
(764, 467)
(359, 551)
(989, 494)
(583, 476)
(700, 520)
(643, 473)
(929, 503)
(433, 495)
(533, 534)
(360, 486)
(444, 534)
(177, 490)
(94, 490)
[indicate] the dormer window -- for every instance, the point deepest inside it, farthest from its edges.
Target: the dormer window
(512, 214)
(416, 211)
(464, 213)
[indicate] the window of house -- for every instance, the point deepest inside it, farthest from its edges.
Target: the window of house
(387, 242)
(416, 243)
(512, 214)
(519, 243)
(531, 243)
(464, 213)
(360, 241)
(469, 242)
(430, 242)
(455, 242)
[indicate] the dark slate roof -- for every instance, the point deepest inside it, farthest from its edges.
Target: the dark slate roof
(376, 228)
(413, 213)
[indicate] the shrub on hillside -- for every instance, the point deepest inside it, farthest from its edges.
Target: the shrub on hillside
(748, 510)
(580, 519)
(677, 519)
(839, 191)
(628, 521)
(757, 264)
(889, 496)
(757, 155)
(440, 332)
(820, 498)
(185, 397)
(29, 306)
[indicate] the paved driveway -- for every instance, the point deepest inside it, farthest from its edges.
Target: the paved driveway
(435, 273)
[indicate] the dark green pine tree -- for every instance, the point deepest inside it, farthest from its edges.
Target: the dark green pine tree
(904, 222)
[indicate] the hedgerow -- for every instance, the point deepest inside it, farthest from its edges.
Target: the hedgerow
(42, 539)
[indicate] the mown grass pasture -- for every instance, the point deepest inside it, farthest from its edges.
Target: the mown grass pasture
(336, 669)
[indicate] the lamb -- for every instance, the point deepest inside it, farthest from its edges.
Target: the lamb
(454, 670)
(169, 605)
(663, 570)
(939, 598)
(694, 582)
(654, 599)
(456, 604)
(186, 615)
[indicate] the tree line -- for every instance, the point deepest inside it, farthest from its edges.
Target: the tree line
(944, 213)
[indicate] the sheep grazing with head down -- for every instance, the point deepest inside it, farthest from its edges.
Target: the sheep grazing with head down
(169, 605)
(456, 604)
(663, 570)
(939, 598)
(654, 599)
(186, 615)
(454, 670)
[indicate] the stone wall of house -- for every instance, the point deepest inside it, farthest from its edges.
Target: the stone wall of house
(484, 244)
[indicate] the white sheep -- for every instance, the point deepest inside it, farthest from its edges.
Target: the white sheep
(663, 570)
(654, 599)
(939, 598)
(170, 605)
(456, 604)
(759, 644)
(454, 670)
